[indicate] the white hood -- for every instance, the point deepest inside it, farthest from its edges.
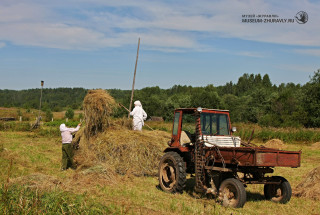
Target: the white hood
(137, 103)
(63, 127)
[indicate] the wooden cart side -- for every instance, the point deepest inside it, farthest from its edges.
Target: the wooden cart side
(260, 157)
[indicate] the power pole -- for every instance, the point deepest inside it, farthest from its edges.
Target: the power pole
(39, 117)
(134, 78)
(37, 124)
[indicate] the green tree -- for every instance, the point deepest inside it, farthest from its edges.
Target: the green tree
(311, 100)
(49, 115)
(69, 113)
(266, 81)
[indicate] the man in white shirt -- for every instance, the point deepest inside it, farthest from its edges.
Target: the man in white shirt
(67, 152)
(139, 115)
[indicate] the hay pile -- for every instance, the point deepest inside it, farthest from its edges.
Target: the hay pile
(124, 151)
(275, 144)
(97, 105)
(112, 145)
(310, 187)
(315, 146)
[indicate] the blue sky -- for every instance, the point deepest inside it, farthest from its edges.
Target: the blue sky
(93, 43)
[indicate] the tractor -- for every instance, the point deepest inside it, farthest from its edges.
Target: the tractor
(221, 164)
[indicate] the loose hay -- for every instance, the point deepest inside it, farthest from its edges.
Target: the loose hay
(121, 123)
(97, 105)
(310, 187)
(275, 144)
(125, 151)
(78, 182)
(315, 146)
(37, 181)
(112, 144)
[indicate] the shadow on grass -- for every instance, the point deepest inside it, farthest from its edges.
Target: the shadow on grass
(254, 197)
(190, 185)
(191, 182)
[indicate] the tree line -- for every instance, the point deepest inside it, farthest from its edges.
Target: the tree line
(252, 99)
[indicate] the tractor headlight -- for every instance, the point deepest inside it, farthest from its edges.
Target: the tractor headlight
(199, 109)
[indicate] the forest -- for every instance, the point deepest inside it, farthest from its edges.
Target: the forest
(252, 99)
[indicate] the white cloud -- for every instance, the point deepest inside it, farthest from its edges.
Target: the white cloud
(298, 68)
(161, 26)
(313, 52)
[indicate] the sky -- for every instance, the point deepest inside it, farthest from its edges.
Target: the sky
(93, 43)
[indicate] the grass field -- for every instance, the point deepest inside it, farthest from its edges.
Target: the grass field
(32, 183)
(32, 114)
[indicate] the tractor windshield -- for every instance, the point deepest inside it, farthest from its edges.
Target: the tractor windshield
(214, 124)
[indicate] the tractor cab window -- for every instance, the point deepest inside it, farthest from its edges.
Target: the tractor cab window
(176, 123)
(187, 128)
(214, 124)
(188, 123)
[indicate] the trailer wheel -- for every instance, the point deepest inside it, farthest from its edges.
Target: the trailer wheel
(172, 173)
(232, 193)
(278, 192)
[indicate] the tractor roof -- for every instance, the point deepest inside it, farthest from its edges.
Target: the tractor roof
(192, 110)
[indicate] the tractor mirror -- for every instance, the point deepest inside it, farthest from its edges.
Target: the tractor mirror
(233, 129)
(199, 109)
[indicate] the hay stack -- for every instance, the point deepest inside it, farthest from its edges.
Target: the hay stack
(112, 145)
(130, 151)
(310, 187)
(275, 144)
(124, 151)
(97, 105)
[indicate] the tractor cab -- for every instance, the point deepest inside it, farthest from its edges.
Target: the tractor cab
(211, 125)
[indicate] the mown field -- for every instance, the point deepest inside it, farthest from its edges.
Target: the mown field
(32, 183)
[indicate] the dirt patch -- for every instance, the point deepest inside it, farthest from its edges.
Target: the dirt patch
(310, 186)
(275, 144)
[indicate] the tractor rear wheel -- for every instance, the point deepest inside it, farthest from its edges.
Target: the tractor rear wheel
(232, 193)
(278, 192)
(172, 173)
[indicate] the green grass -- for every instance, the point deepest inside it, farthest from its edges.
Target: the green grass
(33, 153)
(288, 135)
(15, 126)
(57, 123)
(21, 200)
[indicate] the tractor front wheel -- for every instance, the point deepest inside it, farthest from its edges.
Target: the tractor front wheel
(232, 193)
(278, 192)
(172, 173)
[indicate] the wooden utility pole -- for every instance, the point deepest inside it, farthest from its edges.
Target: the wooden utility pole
(39, 115)
(37, 124)
(134, 78)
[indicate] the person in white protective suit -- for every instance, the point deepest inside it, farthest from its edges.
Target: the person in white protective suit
(139, 115)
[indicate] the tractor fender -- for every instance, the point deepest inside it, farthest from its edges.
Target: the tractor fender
(179, 150)
(172, 149)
